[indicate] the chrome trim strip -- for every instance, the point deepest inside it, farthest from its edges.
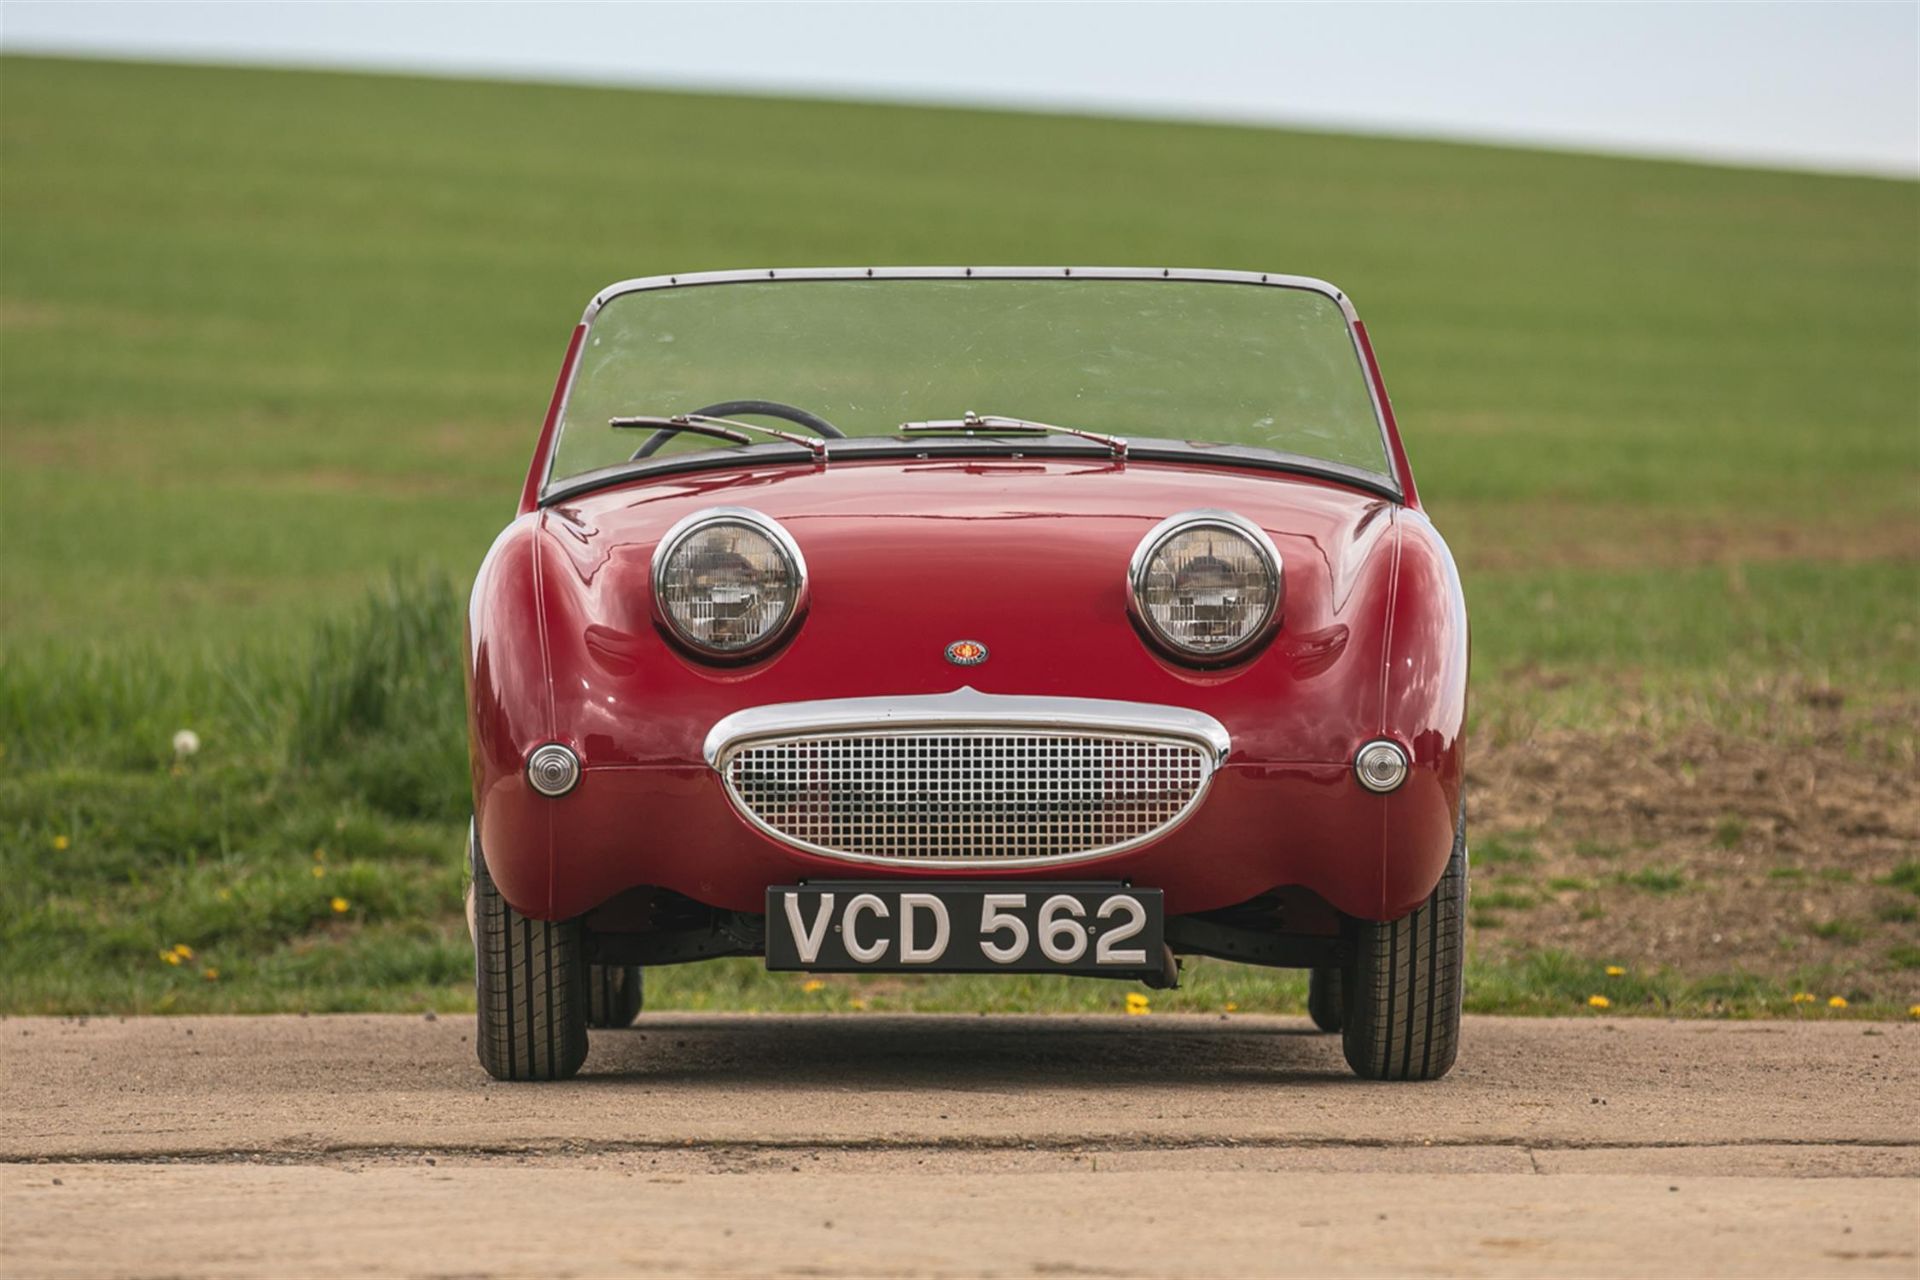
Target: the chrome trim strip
(965, 707)
(966, 710)
(1272, 279)
(1267, 278)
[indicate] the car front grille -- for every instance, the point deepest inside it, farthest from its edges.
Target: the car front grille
(973, 794)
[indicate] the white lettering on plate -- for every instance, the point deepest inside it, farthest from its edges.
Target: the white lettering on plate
(865, 953)
(910, 951)
(809, 937)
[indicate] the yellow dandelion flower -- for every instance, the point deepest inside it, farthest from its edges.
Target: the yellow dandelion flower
(318, 871)
(339, 906)
(1836, 1002)
(1803, 997)
(1913, 1011)
(812, 985)
(1615, 971)
(171, 957)
(1232, 1007)
(61, 842)
(210, 974)
(1138, 1004)
(857, 1004)
(182, 950)
(1599, 1002)
(225, 895)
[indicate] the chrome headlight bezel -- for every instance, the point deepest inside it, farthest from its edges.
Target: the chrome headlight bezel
(1157, 537)
(681, 533)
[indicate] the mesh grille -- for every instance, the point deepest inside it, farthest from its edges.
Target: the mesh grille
(974, 795)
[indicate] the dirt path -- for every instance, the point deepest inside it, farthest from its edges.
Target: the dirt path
(956, 1145)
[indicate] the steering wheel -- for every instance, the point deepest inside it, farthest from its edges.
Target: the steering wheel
(760, 408)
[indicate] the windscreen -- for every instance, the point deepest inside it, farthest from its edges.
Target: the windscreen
(1270, 367)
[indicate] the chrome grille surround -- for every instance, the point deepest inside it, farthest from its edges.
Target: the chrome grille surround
(965, 778)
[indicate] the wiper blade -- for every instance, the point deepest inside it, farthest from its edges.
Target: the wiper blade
(719, 429)
(974, 424)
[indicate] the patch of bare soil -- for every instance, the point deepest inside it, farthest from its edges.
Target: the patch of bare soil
(1791, 857)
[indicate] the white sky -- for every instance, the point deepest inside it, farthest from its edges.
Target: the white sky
(1820, 85)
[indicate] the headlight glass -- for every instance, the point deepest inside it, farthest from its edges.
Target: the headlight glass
(729, 584)
(1206, 585)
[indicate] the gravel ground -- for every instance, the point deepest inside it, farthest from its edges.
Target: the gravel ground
(957, 1146)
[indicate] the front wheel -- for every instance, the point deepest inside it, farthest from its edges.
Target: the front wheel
(1400, 1017)
(532, 980)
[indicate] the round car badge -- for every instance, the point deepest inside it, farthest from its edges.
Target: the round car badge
(966, 653)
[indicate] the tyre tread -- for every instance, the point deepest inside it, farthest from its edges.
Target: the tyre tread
(1400, 1017)
(616, 995)
(531, 987)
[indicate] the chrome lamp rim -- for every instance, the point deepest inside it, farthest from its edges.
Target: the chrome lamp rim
(1203, 517)
(784, 542)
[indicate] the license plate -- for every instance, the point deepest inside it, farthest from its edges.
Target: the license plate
(857, 926)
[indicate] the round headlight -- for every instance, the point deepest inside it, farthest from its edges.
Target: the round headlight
(728, 581)
(1206, 583)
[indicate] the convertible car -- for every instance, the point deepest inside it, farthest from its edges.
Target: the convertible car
(986, 620)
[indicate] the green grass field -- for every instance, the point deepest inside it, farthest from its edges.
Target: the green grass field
(265, 336)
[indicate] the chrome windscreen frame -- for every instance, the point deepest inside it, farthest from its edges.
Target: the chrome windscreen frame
(1387, 482)
(964, 711)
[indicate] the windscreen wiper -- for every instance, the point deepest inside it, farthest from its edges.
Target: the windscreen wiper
(973, 424)
(719, 429)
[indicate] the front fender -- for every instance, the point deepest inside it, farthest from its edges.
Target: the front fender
(1424, 698)
(509, 713)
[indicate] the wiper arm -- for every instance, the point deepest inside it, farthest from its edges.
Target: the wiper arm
(719, 429)
(973, 424)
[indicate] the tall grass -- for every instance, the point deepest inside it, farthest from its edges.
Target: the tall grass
(307, 852)
(380, 706)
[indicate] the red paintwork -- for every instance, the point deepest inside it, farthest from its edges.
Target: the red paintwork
(537, 469)
(1402, 471)
(1027, 556)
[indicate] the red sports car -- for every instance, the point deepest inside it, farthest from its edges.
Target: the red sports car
(969, 620)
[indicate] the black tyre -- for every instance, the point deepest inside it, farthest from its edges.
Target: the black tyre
(1323, 998)
(532, 978)
(1400, 1019)
(614, 994)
